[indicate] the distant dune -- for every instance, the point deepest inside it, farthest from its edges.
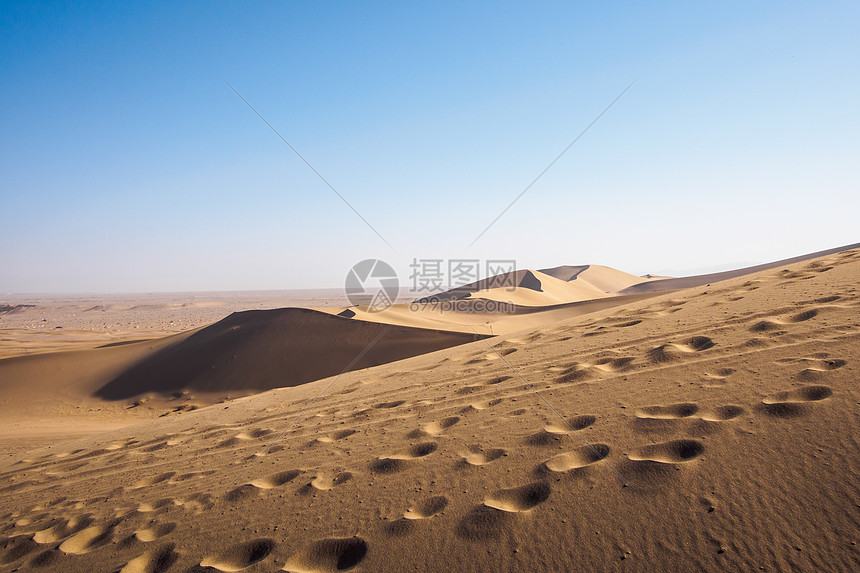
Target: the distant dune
(600, 278)
(545, 287)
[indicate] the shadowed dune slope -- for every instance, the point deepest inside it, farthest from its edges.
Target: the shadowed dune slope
(564, 272)
(41, 385)
(263, 349)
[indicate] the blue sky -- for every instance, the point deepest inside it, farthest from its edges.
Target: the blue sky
(127, 164)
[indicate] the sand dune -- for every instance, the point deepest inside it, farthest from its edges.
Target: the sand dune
(603, 279)
(669, 433)
(664, 284)
(260, 350)
(246, 352)
(538, 289)
(77, 393)
(558, 285)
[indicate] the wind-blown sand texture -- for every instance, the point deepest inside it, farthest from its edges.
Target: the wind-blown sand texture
(713, 428)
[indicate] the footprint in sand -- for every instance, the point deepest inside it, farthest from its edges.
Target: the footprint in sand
(476, 456)
(579, 458)
(517, 499)
(88, 539)
(244, 437)
(577, 372)
(416, 451)
(191, 475)
(614, 364)
(240, 556)
(776, 326)
(547, 436)
(597, 332)
(671, 351)
(422, 510)
(718, 377)
(154, 561)
(159, 445)
(722, 413)
(34, 522)
(196, 502)
(154, 531)
(477, 406)
(427, 508)
(818, 368)
(673, 452)
(581, 422)
(664, 353)
(275, 480)
(150, 481)
(62, 455)
(397, 462)
(766, 326)
(490, 519)
(554, 433)
(387, 405)
(755, 342)
(328, 555)
(469, 389)
(339, 435)
(328, 480)
(57, 470)
(826, 299)
(793, 403)
(244, 491)
(94, 454)
(63, 530)
(434, 428)
(670, 412)
(803, 316)
(386, 466)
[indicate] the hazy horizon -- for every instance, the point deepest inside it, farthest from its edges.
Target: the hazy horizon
(404, 287)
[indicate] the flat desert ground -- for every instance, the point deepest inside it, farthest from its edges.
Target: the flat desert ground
(603, 426)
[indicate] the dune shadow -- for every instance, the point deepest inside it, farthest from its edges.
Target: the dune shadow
(258, 350)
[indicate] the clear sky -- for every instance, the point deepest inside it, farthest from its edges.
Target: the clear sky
(127, 164)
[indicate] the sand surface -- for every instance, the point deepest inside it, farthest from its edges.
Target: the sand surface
(712, 428)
